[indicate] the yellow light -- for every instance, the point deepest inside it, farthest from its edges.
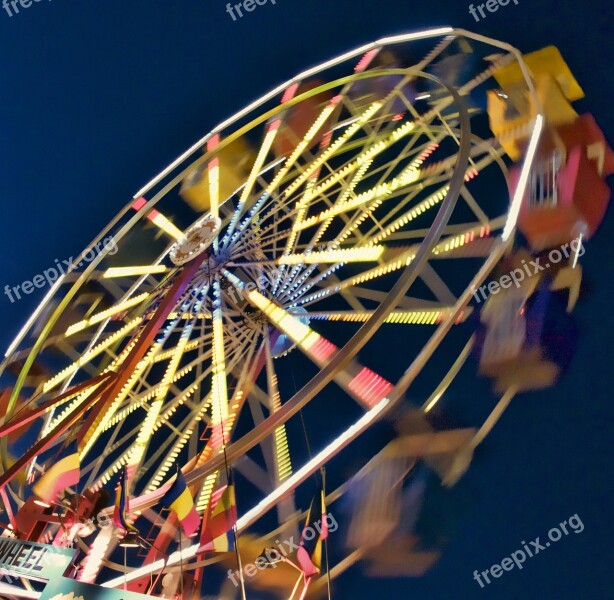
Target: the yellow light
(130, 271)
(349, 255)
(90, 438)
(347, 231)
(52, 424)
(366, 157)
(105, 314)
(378, 192)
(165, 225)
(411, 214)
(206, 491)
(90, 354)
(168, 353)
(214, 186)
(95, 556)
(330, 151)
(402, 317)
(303, 144)
(283, 465)
(523, 179)
(269, 138)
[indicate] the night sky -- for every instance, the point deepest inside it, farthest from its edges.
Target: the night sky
(97, 97)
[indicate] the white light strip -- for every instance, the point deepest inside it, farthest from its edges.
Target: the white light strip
(157, 565)
(248, 518)
(92, 343)
(282, 88)
(306, 470)
(137, 270)
(512, 218)
(406, 37)
(12, 591)
(34, 316)
(577, 254)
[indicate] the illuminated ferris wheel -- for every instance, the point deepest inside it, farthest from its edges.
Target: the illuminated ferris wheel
(247, 292)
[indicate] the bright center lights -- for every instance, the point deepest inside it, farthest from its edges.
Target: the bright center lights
(349, 255)
(195, 240)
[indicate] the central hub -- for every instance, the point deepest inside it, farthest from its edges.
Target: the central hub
(195, 240)
(214, 263)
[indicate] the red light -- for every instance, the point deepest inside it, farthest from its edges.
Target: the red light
(364, 62)
(323, 349)
(289, 93)
(138, 204)
(370, 387)
(213, 142)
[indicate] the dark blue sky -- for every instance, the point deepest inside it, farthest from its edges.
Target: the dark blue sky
(96, 97)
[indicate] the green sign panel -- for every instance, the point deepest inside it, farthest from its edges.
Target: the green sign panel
(69, 589)
(33, 561)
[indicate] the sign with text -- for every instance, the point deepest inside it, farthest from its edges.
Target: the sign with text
(69, 589)
(33, 561)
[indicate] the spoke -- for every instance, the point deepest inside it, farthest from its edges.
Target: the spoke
(234, 357)
(350, 255)
(400, 259)
(363, 384)
(140, 345)
(114, 272)
(213, 168)
(90, 354)
(283, 465)
(219, 390)
(400, 317)
(332, 149)
(256, 168)
(158, 219)
(142, 442)
(437, 285)
(245, 381)
(64, 414)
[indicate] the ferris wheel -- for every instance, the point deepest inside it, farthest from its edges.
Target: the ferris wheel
(247, 292)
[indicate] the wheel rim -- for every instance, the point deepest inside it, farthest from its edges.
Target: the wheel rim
(251, 244)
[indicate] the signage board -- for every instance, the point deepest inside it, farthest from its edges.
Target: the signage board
(69, 589)
(31, 560)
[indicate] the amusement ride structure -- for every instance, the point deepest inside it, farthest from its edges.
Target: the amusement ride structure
(264, 305)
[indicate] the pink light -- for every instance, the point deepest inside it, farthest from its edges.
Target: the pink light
(370, 387)
(429, 151)
(289, 93)
(275, 125)
(213, 142)
(364, 62)
(328, 136)
(323, 349)
(217, 433)
(138, 204)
